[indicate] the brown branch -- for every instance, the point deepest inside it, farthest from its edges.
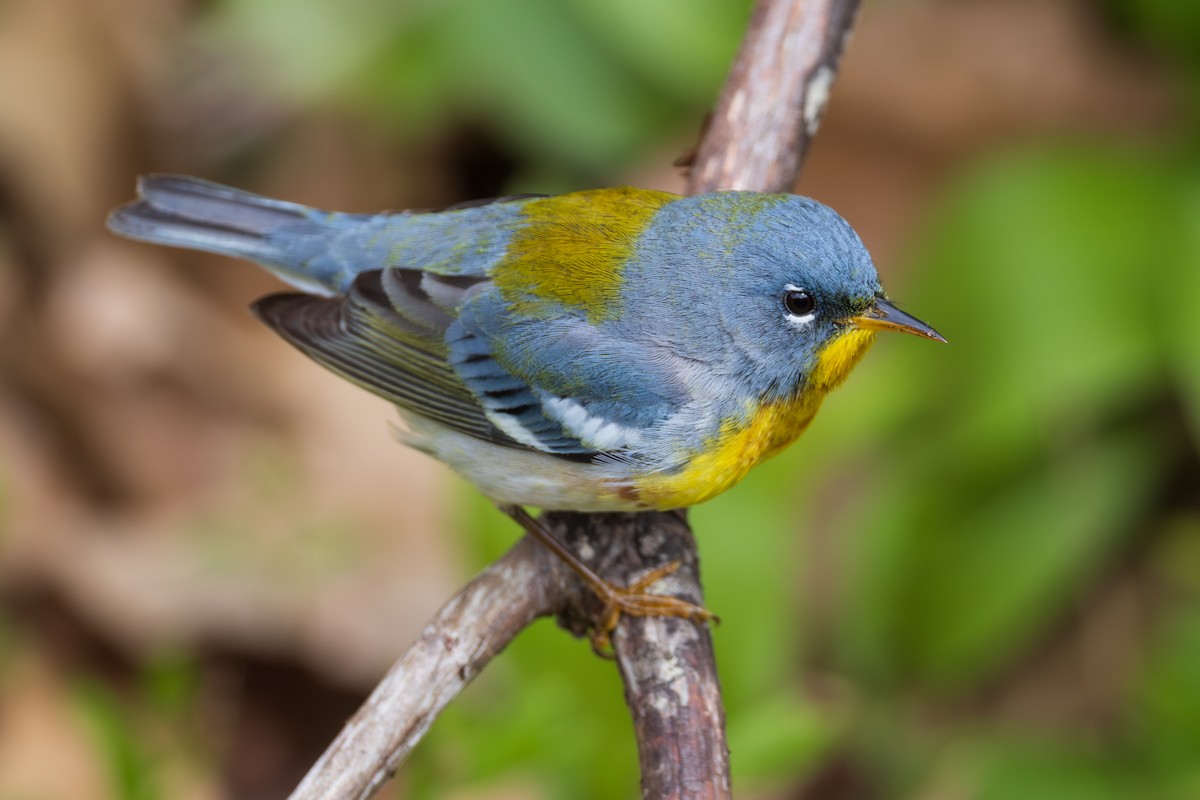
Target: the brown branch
(774, 97)
(768, 112)
(757, 139)
(479, 622)
(666, 663)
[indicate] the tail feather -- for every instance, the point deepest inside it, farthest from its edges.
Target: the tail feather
(317, 251)
(200, 215)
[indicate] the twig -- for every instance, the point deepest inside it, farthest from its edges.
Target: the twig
(666, 663)
(757, 139)
(774, 97)
(452, 649)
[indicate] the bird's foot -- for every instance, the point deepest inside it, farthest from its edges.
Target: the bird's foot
(615, 601)
(635, 601)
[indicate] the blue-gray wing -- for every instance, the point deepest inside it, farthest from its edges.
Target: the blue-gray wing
(441, 347)
(562, 384)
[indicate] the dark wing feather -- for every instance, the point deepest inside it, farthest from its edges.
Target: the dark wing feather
(388, 337)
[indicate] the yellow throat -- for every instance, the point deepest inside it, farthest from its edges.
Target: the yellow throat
(742, 443)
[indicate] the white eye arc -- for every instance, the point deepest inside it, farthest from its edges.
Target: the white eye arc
(800, 305)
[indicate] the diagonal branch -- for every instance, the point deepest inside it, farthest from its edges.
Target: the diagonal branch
(774, 97)
(768, 112)
(449, 652)
(757, 139)
(666, 663)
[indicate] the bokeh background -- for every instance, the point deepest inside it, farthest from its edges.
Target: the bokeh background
(976, 577)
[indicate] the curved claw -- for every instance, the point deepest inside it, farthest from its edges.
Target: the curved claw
(633, 600)
(636, 602)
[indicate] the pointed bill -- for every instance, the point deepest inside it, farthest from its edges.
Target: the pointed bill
(884, 316)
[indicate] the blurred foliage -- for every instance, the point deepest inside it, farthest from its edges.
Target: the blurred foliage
(1061, 449)
(955, 515)
(576, 85)
(131, 767)
(1052, 444)
(1172, 28)
(1046, 447)
(1006, 473)
(146, 734)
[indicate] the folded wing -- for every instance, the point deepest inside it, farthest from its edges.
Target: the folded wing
(557, 386)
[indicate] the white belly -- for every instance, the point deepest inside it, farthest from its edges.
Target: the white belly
(511, 476)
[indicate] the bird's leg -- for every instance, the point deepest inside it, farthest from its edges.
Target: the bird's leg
(616, 600)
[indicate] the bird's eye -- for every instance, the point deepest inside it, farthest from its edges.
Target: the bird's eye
(798, 302)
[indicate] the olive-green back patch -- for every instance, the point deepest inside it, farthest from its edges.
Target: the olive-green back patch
(571, 250)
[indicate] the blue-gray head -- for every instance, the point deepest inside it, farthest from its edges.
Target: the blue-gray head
(768, 282)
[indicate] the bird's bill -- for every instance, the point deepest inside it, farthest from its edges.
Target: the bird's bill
(884, 316)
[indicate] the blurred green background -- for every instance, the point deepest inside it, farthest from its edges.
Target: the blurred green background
(976, 576)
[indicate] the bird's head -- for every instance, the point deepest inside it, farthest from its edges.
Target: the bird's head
(785, 286)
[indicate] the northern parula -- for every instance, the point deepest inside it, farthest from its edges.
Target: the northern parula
(606, 350)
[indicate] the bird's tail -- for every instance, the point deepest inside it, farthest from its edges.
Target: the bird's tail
(290, 239)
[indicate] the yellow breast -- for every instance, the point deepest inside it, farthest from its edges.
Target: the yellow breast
(742, 443)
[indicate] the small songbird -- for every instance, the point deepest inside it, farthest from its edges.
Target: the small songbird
(606, 350)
